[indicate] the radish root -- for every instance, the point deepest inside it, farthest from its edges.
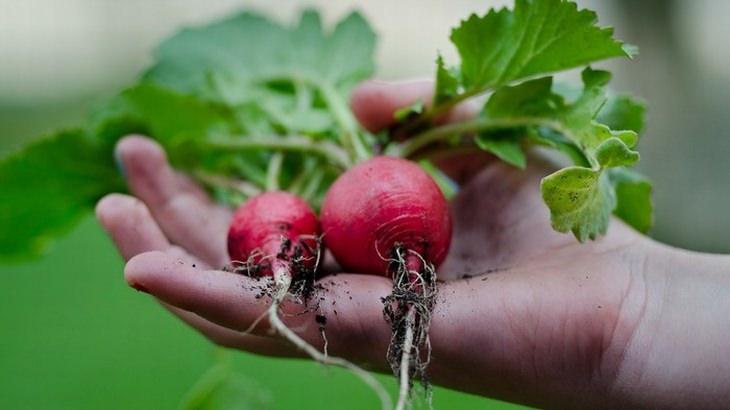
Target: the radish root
(302, 290)
(282, 279)
(408, 309)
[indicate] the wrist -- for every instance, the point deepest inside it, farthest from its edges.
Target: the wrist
(677, 354)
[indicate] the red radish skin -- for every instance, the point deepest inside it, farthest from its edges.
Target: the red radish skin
(387, 216)
(381, 203)
(271, 228)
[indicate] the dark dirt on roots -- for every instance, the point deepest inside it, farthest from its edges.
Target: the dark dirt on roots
(300, 285)
(408, 310)
(303, 288)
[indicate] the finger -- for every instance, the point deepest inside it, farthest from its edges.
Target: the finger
(351, 304)
(133, 230)
(186, 216)
(130, 225)
(226, 337)
(374, 103)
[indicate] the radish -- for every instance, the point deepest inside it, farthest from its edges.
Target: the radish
(276, 234)
(273, 233)
(387, 216)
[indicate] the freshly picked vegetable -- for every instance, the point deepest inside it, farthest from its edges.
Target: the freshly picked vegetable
(258, 114)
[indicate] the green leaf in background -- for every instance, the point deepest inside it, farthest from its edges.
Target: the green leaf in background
(240, 77)
(623, 112)
(633, 196)
(538, 37)
(507, 149)
(529, 99)
(179, 123)
(578, 117)
(249, 49)
(447, 185)
(447, 82)
(536, 103)
(620, 111)
(50, 186)
(614, 152)
(223, 388)
(413, 109)
(162, 114)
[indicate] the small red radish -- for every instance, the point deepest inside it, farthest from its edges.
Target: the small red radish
(387, 216)
(275, 234)
(273, 230)
(378, 204)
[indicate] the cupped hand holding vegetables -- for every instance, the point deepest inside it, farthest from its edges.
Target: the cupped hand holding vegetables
(246, 108)
(525, 314)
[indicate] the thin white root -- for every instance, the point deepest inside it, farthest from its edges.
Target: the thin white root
(405, 362)
(282, 281)
(324, 349)
(255, 323)
(408, 309)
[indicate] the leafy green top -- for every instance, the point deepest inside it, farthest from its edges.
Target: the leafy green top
(509, 53)
(247, 99)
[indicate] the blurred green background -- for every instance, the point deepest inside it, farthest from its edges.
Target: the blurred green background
(74, 336)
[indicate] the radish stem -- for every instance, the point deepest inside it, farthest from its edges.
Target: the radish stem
(350, 135)
(274, 171)
(245, 188)
(442, 133)
(333, 153)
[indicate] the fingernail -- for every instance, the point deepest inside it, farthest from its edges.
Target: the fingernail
(119, 163)
(139, 287)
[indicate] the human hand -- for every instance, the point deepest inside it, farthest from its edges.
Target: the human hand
(542, 319)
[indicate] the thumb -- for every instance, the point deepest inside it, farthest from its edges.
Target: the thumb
(374, 104)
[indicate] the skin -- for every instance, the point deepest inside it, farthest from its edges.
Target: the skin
(622, 322)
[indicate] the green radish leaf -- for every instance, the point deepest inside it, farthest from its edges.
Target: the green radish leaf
(536, 104)
(284, 91)
(538, 37)
(623, 112)
(633, 195)
(508, 149)
(176, 121)
(614, 152)
(532, 98)
(447, 82)
(48, 187)
(161, 114)
(406, 112)
(249, 49)
(578, 117)
(581, 199)
(447, 186)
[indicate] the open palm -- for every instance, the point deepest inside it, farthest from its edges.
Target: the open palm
(524, 314)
